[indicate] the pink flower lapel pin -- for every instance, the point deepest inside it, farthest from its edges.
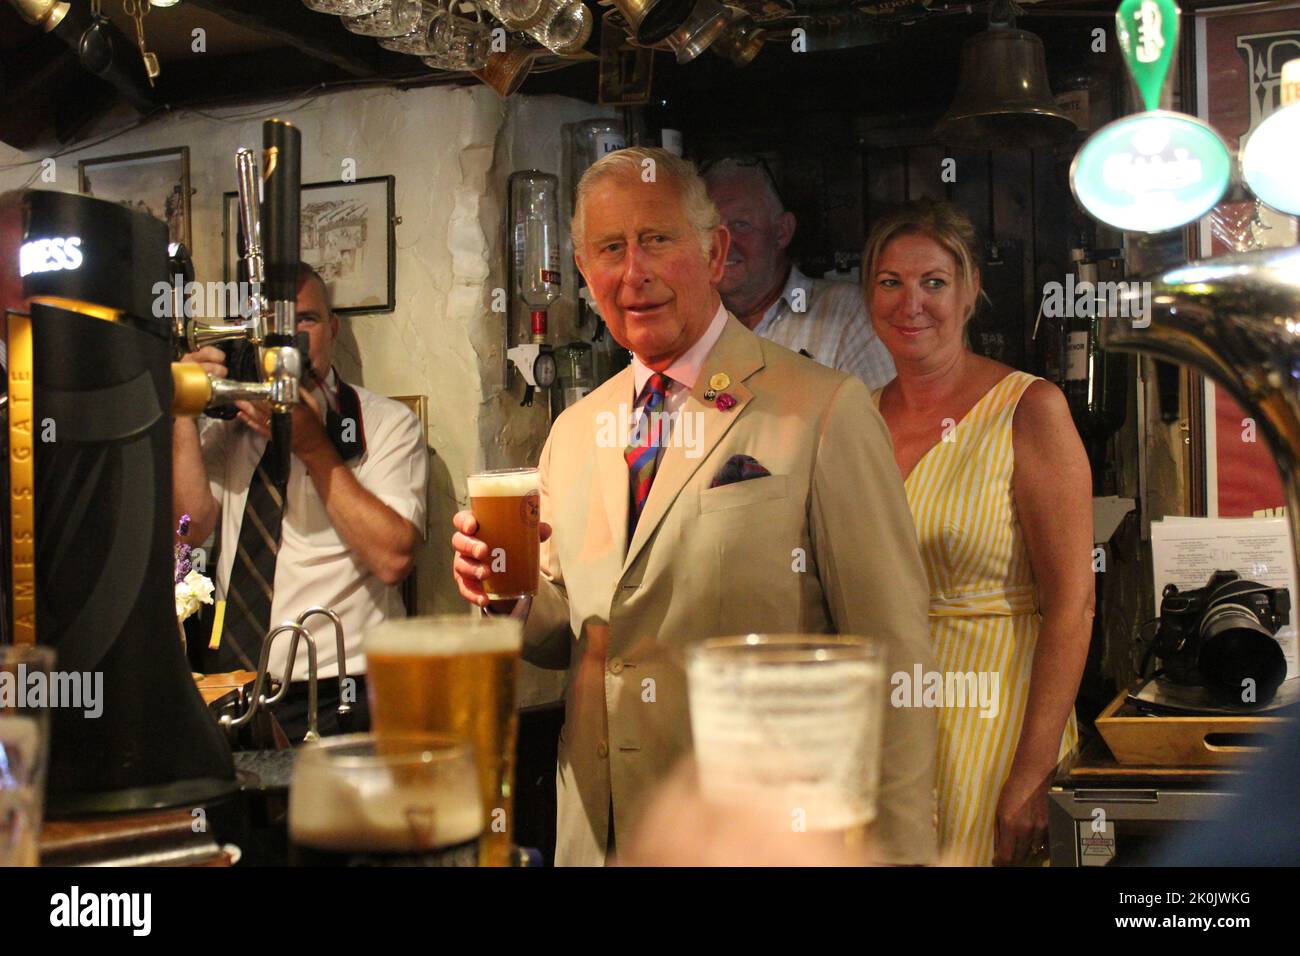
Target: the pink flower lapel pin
(725, 402)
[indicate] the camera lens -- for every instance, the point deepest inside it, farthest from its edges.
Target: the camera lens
(1236, 648)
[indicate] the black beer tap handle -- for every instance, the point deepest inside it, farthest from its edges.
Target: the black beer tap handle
(282, 443)
(281, 195)
(281, 242)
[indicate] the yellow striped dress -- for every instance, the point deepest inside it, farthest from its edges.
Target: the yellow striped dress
(983, 611)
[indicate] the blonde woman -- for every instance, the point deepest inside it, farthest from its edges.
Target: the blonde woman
(1000, 490)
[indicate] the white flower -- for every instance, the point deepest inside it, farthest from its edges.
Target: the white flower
(196, 589)
(201, 586)
(185, 602)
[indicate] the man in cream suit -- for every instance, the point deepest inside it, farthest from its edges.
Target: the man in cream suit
(764, 498)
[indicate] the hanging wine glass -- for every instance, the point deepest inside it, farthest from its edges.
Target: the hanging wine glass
(416, 40)
(344, 8)
(459, 43)
(393, 19)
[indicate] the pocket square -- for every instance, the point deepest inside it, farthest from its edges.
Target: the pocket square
(738, 468)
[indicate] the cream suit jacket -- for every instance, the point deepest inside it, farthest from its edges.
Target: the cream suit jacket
(706, 562)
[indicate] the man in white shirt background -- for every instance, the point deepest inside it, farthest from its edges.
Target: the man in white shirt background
(351, 518)
(824, 319)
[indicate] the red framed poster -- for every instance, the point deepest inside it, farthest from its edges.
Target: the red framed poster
(1239, 57)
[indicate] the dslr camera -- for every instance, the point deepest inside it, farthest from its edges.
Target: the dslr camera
(1220, 636)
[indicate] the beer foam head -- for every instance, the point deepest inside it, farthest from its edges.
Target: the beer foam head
(445, 635)
(381, 808)
(504, 484)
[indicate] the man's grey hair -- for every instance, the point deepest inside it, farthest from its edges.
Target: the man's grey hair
(640, 162)
(730, 169)
(307, 273)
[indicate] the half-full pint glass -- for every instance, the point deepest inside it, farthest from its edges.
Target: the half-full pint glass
(791, 723)
(506, 506)
(454, 675)
(403, 800)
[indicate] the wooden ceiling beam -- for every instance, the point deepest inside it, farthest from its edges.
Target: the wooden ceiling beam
(319, 36)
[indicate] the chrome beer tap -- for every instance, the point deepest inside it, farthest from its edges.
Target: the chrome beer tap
(269, 217)
(253, 309)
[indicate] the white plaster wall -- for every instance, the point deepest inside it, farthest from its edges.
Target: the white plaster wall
(531, 139)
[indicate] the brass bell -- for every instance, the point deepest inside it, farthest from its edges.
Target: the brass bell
(1003, 100)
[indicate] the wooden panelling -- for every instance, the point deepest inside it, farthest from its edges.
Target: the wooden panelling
(886, 178)
(924, 168)
(970, 190)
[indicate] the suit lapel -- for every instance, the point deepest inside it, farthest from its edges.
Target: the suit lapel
(737, 355)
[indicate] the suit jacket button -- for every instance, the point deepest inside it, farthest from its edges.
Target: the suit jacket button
(603, 750)
(616, 665)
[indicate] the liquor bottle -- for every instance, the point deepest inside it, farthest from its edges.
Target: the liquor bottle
(589, 141)
(663, 115)
(536, 241)
(1095, 380)
(1076, 371)
(576, 375)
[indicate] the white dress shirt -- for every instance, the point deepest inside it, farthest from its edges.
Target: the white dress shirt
(828, 319)
(685, 370)
(314, 565)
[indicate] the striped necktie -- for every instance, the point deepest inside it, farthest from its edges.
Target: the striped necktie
(643, 454)
(252, 576)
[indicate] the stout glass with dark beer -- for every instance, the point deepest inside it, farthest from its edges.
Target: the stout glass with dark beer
(454, 675)
(506, 507)
(404, 800)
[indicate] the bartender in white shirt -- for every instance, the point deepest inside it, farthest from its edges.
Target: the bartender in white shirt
(353, 515)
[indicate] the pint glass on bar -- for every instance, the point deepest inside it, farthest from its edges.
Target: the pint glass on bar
(454, 675)
(404, 800)
(506, 506)
(791, 723)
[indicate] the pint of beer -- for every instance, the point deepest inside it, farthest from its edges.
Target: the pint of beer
(454, 675)
(506, 506)
(790, 723)
(405, 800)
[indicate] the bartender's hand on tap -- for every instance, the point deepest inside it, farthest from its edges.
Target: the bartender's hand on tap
(470, 566)
(309, 435)
(211, 358)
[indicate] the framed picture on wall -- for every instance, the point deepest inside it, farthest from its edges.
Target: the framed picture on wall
(625, 69)
(156, 182)
(1239, 57)
(348, 236)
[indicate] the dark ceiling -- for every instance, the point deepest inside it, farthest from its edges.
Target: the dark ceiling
(260, 49)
